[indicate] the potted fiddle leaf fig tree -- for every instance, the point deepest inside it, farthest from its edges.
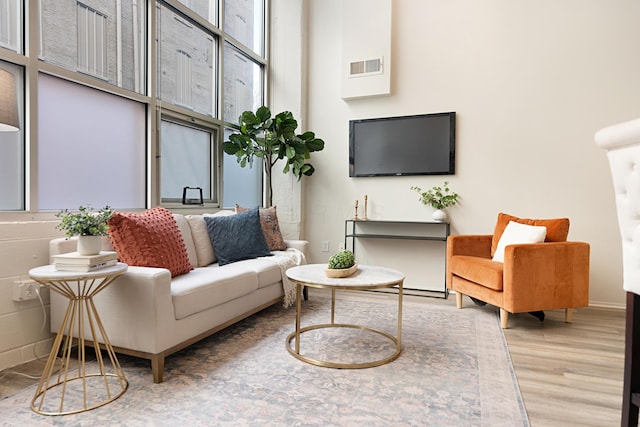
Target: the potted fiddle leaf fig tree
(88, 224)
(271, 139)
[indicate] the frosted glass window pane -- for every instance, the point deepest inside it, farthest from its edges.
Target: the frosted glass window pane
(91, 148)
(241, 185)
(186, 161)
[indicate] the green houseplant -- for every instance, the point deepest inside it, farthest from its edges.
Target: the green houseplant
(439, 198)
(88, 224)
(341, 264)
(271, 139)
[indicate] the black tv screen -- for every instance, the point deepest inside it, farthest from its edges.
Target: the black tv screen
(407, 145)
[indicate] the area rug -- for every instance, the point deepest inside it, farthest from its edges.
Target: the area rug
(454, 370)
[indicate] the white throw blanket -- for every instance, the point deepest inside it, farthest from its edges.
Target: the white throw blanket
(285, 260)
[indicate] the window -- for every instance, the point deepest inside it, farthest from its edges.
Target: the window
(102, 38)
(244, 21)
(177, 34)
(241, 185)
(242, 84)
(187, 159)
(10, 28)
(96, 107)
(92, 44)
(91, 147)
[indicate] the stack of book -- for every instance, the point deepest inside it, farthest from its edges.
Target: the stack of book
(73, 261)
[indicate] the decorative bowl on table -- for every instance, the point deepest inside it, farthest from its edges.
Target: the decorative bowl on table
(341, 272)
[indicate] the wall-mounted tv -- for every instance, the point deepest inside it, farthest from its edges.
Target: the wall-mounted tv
(408, 145)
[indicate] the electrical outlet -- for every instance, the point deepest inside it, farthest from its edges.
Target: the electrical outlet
(325, 246)
(341, 246)
(24, 290)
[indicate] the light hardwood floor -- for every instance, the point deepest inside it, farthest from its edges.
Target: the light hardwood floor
(569, 374)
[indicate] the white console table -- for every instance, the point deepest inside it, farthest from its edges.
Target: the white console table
(430, 231)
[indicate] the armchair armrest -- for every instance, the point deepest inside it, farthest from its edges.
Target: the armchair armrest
(552, 275)
(469, 244)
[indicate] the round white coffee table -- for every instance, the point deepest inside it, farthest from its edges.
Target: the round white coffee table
(74, 388)
(367, 277)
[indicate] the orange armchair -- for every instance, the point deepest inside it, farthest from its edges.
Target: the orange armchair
(550, 275)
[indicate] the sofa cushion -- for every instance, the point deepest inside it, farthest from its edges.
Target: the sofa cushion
(149, 239)
(185, 232)
(557, 228)
(204, 288)
(237, 237)
(516, 233)
(270, 227)
(201, 238)
(478, 270)
(267, 271)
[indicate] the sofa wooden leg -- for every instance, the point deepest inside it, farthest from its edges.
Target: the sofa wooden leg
(458, 299)
(568, 315)
(504, 318)
(157, 368)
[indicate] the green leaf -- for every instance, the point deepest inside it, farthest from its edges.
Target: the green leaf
(291, 152)
(315, 145)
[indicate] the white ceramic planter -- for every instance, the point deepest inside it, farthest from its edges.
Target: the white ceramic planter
(439, 215)
(89, 245)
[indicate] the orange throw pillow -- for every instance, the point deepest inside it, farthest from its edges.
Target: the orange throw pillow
(270, 227)
(557, 228)
(149, 239)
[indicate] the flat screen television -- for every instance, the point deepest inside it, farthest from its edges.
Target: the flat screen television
(408, 145)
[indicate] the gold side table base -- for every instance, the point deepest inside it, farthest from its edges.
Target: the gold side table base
(340, 365)
(66, 387)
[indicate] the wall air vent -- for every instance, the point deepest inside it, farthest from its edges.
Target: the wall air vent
(367, 67)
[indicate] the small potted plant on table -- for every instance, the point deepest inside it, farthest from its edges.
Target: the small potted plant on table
(438, 198)
(342, 264)
(88, 224)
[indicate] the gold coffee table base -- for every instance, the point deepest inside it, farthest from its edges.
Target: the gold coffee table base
(339, 365)
(364, 278)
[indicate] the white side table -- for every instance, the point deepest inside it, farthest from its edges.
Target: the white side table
(82, 390)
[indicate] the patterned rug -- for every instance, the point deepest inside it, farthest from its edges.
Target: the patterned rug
(454, 370)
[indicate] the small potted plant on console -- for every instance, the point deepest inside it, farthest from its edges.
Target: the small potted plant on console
(439, 198)
(342, 264)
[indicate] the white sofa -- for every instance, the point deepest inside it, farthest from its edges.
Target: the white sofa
(148, 314)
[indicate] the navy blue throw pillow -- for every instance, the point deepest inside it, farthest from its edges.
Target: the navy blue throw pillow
(237, 237)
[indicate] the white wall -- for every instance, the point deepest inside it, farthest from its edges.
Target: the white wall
(531, 83)
(24, 328)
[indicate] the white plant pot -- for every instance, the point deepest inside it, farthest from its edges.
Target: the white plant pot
(89, 245)
(439, 215)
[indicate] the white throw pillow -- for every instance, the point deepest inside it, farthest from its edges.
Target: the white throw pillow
(518, 233)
